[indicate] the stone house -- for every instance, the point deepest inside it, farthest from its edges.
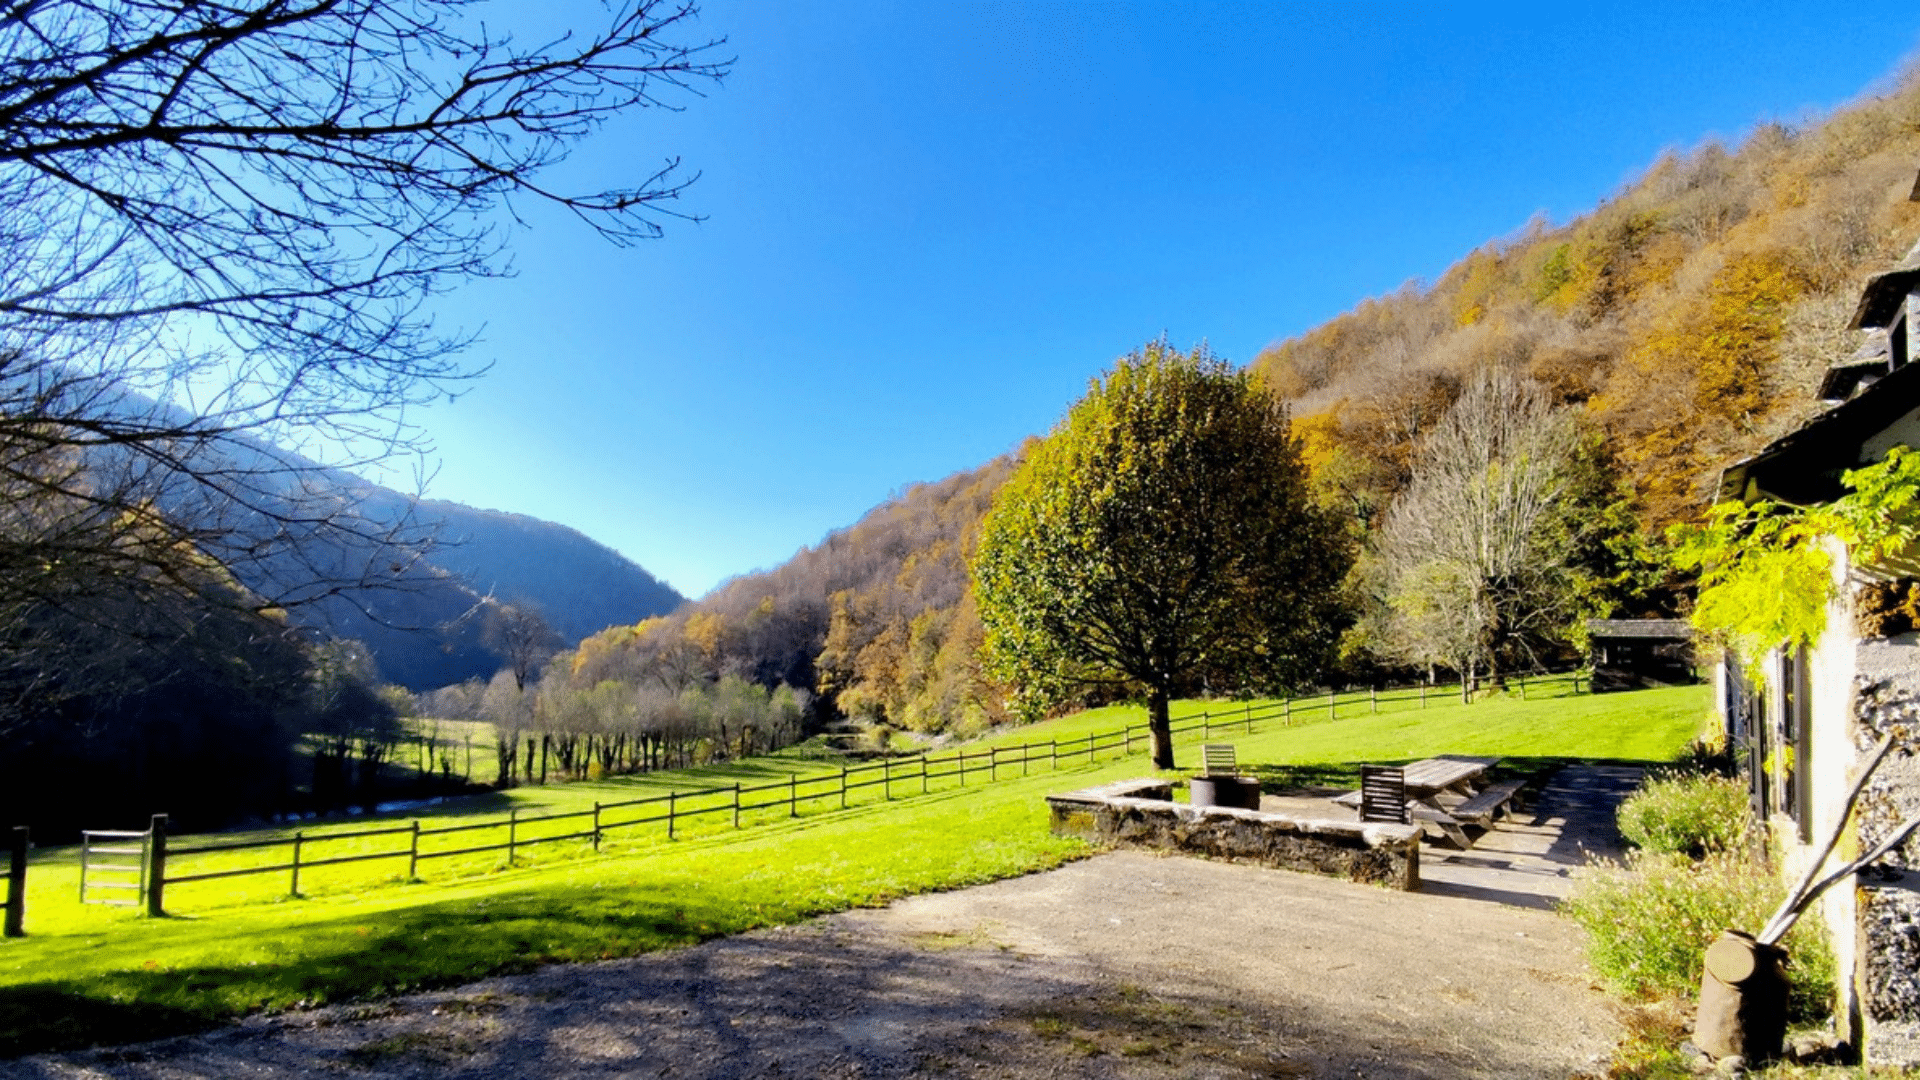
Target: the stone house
(1802, 733)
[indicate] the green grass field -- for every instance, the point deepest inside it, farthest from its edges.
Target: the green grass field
(231, 946)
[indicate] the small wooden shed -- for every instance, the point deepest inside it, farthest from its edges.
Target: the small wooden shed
(1634, 654)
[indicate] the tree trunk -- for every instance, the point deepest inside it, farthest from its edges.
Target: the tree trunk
(1161, 725)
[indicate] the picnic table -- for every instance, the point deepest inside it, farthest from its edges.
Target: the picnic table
(1449, 792)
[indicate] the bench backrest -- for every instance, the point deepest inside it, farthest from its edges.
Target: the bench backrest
(1383, 794)
(1218, 759)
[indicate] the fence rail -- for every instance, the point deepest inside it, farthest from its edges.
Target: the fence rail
(794, 792)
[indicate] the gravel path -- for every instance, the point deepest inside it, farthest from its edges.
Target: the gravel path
(1124, 965)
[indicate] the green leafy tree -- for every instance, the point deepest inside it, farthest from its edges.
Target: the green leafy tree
(1162, 539)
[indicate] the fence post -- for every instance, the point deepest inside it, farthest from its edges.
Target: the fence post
(513, 832)
(1025, 749)
(993, 763)
(1332, 708)
(886, 778)
(1373, 696)
(1055, 744)
(923, 772)
(293, 886)
(1206, 724)
(1289, 713)
(1523, 688)
(961, 757)
(1423, 695)
(413, 852)
(596, 825)
(793, 794)
(671, 796)
(736, 804)
(843, 787)
(157, 867)
(17, 884)
(1249, 716)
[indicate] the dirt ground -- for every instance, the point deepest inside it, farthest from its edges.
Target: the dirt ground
(1123, 965)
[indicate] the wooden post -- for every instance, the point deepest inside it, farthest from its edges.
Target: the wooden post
(993, 763)
(413, 852)
(157, 867)
(736, 804)
(843, 787)
(1055, 744)
(961, 757)
(513, 831)
(1373, 697)
(793, 795)
(923, 772)
(17, 884)
(671, 796)
(1523, 688)
(596, 825)
(1331, 707)
(1026, 751)
(1249, 717)
(886, 778)
(293, 887)
(1206, 724)
(1289, 711)
(1423, 695)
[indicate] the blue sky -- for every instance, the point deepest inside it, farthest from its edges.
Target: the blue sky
(929, 224)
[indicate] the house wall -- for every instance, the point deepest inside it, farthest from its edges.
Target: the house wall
(1887, 899)
(1834, 753)
(1904, 432)
(1858, 690)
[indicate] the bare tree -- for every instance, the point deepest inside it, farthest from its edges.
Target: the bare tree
(521, 637)
(221, 224)
(1475, 558)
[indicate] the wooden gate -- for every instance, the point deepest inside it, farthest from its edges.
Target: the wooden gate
(106, 874)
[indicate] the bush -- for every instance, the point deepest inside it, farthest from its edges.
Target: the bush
(1687, 815)
(1649, 922)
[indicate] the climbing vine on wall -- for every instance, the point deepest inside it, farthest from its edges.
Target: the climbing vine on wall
(1766, 573)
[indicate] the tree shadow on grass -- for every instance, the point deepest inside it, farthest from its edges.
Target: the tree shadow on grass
(377, 953)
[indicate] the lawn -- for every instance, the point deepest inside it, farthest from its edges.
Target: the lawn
(239, 945)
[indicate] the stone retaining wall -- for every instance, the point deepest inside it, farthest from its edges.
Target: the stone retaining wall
(1141, 813)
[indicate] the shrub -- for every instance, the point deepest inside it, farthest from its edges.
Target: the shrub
(1649, 922)
(1686, 815)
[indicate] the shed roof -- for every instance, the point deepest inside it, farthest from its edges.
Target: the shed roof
(1667, 629)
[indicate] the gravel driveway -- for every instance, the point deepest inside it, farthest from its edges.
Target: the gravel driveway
(1123, 965)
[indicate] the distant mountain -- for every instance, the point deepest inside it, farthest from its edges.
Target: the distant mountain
(431, 632)
(344, 556)
(578, 585)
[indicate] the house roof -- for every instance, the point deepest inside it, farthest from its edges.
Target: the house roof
(1880, 300)
(1615, 629)
(1804, 466)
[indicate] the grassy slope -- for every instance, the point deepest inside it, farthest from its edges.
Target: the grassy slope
(93, 974)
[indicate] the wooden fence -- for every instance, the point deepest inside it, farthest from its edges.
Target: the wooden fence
(417, 843)
(16, 918)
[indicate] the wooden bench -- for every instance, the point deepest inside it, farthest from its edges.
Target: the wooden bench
(1483, 808)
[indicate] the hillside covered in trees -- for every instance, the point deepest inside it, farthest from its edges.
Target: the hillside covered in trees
(1506, 446)
(1691, 315)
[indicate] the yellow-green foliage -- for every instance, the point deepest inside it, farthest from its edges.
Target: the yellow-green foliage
(1766, 574)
